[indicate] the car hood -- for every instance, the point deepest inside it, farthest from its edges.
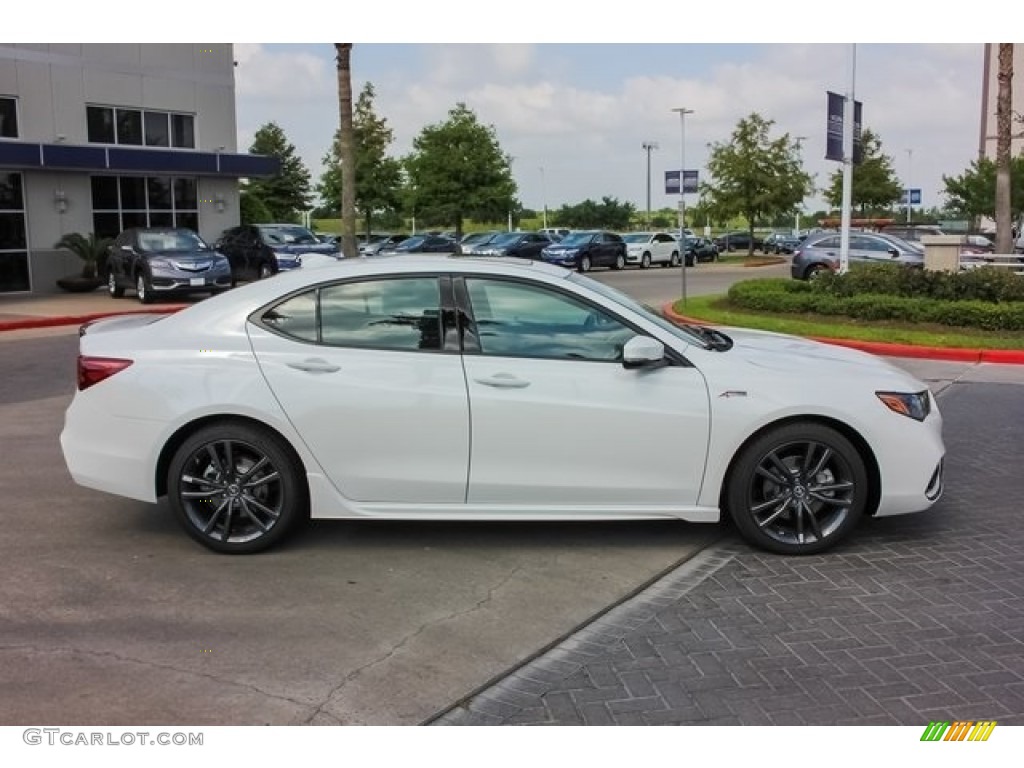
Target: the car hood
(309, 248)
(792, 355)
(185, 256)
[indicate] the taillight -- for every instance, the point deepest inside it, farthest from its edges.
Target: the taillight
(93, 370)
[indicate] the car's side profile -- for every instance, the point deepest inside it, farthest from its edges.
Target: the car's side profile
(486, 389)
(647, 248)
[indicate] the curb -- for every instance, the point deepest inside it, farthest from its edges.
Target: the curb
(950, 354)
(59, 320)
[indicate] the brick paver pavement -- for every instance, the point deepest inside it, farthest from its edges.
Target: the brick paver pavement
(917, 618)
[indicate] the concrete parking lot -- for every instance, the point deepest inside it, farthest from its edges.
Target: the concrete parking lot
(111, 615)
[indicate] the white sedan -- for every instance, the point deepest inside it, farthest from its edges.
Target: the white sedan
(437, 388)
(646, 248)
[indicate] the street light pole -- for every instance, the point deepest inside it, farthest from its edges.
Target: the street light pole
(544, 196)
(848, 112)
(648, 146)
(683, 112)
(910, 167)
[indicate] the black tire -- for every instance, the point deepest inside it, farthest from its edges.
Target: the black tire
(236, 488)
(673, 260)
(645, 261)
(814, 271)
(797, 489)
(143, 289)
(690, 260)
(585, 263)
(620, 261)
(265, 272)
(113, 289)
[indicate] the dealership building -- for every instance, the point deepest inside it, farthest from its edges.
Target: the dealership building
(96, 138)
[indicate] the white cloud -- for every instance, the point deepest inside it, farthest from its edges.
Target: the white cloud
(587, 136)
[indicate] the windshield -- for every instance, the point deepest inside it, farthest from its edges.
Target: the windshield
(413, 242)
(636, 237)
(649, 313)
(576, 238)
(289, 235)
(504, 238)
(171, 240)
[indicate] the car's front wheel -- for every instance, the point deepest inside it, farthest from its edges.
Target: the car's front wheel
(815, 271)
(674, 259)
(645, 261)
(236, 488)
(620, 262)
(142, 289)
(265, 271)
(113, 288)
(797, 489)
(585, 263)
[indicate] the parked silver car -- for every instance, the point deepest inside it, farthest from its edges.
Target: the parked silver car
(820, 252)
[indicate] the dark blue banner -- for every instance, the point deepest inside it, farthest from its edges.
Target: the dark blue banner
(834, 129)
(690, 182)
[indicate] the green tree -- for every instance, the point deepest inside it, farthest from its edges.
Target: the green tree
(457, 171)
(378, 177)
(287, 193)
(972, 194)
(875, 187)
(607, 214)
(754, 174)
(251, 209)
(90, 249)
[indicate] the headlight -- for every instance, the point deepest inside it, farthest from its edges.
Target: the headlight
(916, 405)
(160, 263)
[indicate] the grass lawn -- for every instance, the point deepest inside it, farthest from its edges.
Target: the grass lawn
(716, 310)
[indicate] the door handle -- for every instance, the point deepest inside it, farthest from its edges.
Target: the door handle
(315, 365)
(503, 381)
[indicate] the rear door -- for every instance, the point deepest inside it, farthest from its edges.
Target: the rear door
(372, 383)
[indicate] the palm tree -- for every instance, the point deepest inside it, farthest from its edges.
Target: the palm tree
(90, 249)
(1004, 107)
(347, 151)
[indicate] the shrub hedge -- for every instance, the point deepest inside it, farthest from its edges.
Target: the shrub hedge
(985, 298)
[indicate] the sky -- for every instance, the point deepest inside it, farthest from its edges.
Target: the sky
(574, 117)
(574, 94)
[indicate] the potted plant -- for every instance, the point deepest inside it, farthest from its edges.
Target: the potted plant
(92, 251)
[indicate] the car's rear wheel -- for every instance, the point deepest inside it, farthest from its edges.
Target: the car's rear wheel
(797, 489)
(814, 271)
(236, 488)
(265, 271)
(142, 289)
(674, 259)
(645, 261)
(115, 290)
(585, 263)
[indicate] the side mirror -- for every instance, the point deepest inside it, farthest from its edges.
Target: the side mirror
(643, 352)
(894, 252)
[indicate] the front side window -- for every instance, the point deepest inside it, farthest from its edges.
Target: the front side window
(8, 118)
(518, 320)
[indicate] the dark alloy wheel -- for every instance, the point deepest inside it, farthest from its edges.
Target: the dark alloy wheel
(797, 489)
(235, 488)
(115, 290)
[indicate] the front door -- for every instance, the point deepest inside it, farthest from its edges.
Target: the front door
(558, 421)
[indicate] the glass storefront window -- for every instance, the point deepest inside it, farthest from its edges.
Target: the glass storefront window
(8, 118)
(122, 202)
(137, 127)
(14, 273)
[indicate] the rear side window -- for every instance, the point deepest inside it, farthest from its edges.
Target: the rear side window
(295, 317)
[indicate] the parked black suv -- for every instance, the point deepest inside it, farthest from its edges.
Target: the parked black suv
(737, 241)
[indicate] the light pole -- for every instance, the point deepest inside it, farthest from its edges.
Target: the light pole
(910, 167)
(648, 146)
(544, 197)
(848, 113)
(683, 112)
(796, 224)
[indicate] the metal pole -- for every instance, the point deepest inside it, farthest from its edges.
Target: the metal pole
(648, 146)
(683, 112)
(910, 168)
(544, 196)
(844, 235)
